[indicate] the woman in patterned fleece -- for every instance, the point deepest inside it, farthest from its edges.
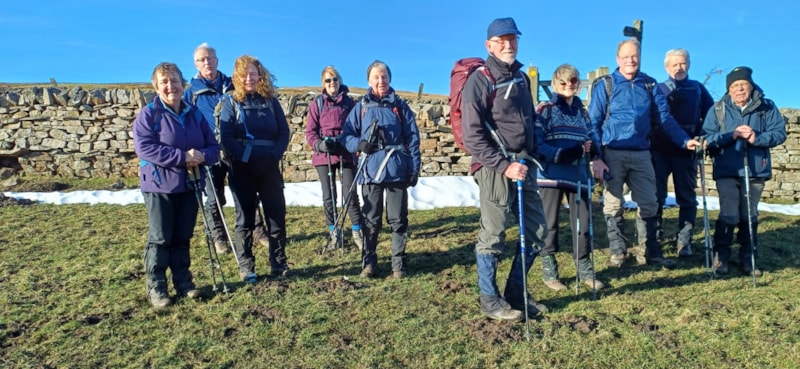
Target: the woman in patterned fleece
(563, 138)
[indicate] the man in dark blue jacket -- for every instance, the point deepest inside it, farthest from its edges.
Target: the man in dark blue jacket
(622, 124)
(751, 124)
(498, 133)
(688, 103)
(205, 90)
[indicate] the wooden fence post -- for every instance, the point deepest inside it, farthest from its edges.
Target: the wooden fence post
(533, 72)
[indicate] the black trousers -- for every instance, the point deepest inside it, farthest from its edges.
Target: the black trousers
(551, 202)
(348, 171)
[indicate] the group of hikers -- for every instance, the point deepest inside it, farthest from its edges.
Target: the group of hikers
(635, 132)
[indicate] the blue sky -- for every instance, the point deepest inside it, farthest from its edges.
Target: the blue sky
(121, 41)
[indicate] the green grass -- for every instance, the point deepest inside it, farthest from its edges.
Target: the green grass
(72, 295)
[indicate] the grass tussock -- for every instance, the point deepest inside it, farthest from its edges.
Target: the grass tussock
(73, 296)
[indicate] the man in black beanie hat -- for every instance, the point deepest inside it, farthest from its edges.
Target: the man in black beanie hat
(743, 122)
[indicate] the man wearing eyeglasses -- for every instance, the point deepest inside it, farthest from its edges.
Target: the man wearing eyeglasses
(204, 91)
(498, 130)
(688, 102)
(622, 123)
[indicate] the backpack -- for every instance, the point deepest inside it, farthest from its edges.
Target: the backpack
(395, 108)
(459, 75)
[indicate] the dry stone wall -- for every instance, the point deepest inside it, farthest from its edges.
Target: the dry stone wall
(74, 132)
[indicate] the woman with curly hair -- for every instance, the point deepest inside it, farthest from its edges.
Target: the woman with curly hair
(254, 135)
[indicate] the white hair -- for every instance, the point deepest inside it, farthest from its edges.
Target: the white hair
(677, 52)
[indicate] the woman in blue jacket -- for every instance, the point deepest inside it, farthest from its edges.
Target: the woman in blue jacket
(170, 137)
(254, 135)
(382, 127)
(563, 139)
(750, 125)
(324, 125)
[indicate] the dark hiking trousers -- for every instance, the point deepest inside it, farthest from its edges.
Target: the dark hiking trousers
(329, 200)
(171, 219)
(396, 197)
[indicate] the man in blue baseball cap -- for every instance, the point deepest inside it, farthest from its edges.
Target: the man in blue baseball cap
(497, 147)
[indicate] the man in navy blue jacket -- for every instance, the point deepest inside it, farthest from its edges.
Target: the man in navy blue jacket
(688, 103)
(751, 124)
(622, 124)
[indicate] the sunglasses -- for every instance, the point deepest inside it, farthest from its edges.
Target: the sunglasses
(329, 80)
(573, 81)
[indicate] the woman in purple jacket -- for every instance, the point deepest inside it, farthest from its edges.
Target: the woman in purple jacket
(170, 137)
(326, 116)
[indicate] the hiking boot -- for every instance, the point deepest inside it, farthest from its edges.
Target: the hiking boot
(160, 301)
(192, 293)
(639, 253)
(367, 272)
(495, 308)
(662, 261)
(555, 285)
(221, 247)
(334, 241)
(534, 308)
(281, 271)
(358, 238)
(616, 261)
(594, 283)
(248, 277)
(399, 274)
(748, 270)
(684, 249)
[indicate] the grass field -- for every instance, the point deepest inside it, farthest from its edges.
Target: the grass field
(73, 296)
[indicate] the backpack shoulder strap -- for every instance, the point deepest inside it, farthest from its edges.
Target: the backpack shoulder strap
(319, 102)
(719, 110)
(156, 117)
(608, 83)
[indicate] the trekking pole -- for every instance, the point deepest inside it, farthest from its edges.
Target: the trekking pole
(222, 217)
(577, 231)
(335, 215)
(701, 163)
(749, 211)
(589, 188)
(194, 181)
(522, 254)
(373, 129)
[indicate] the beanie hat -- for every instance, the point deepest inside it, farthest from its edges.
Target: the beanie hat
(739, 74)
(502, 26)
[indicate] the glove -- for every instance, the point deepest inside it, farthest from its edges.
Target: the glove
(366, 147)
(324, 146)
(413, 180)
(568, 155)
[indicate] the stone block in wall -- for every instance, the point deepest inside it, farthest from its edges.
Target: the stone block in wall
(57, 134)
(76, 96)
(427, 144)
(117, 145)
(460, 168)
(51, 143)
(97, 96)
(125, 112)
(121, 135)
(108, 112)
(122, 96)
(47, 96)
(100, 145)
(70, 113)
(12, 98)
(122, 123)
(431, 167)
(85, 147)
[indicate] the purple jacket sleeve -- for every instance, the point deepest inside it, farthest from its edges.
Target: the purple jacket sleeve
(148, 146)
